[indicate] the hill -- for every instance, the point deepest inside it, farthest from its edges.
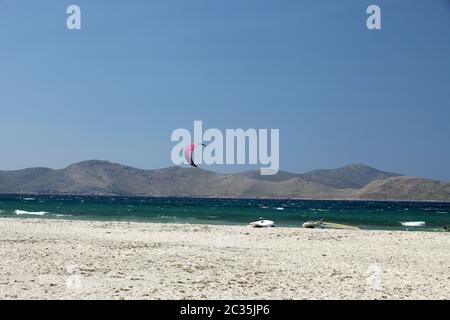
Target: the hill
(97, 177)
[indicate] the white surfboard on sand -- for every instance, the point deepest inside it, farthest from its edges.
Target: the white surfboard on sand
(263, 224)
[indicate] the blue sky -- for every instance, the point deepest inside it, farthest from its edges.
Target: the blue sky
(137, 70)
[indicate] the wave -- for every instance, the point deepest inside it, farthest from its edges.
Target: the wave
(279, 208)
(413, 223)
(23, 212)
(29, 199)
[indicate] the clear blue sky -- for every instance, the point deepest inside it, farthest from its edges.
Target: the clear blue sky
(137, 70)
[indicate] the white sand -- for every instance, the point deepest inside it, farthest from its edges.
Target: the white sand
(55, 259)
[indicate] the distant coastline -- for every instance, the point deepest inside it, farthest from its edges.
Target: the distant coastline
(97, 178)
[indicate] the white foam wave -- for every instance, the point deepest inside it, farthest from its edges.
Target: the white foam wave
(279, 208)
(413, 223)
(23, 212)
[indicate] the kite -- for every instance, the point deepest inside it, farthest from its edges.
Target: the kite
(189, 153)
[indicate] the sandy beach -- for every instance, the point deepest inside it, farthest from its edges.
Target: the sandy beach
(58, 259)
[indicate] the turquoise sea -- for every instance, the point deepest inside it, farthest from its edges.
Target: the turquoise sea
(285, 213)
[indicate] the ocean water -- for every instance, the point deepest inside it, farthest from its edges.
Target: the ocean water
(286, 213)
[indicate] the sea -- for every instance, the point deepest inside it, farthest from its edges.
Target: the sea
(378, 215)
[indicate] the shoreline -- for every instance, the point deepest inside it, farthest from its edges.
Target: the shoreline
(80, 259)
(70, 218)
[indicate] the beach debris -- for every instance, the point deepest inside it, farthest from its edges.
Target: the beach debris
(189, 153)
(262, 224)
(321, 224)
(309, 225)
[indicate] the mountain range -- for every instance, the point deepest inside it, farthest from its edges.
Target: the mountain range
(96, 177)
